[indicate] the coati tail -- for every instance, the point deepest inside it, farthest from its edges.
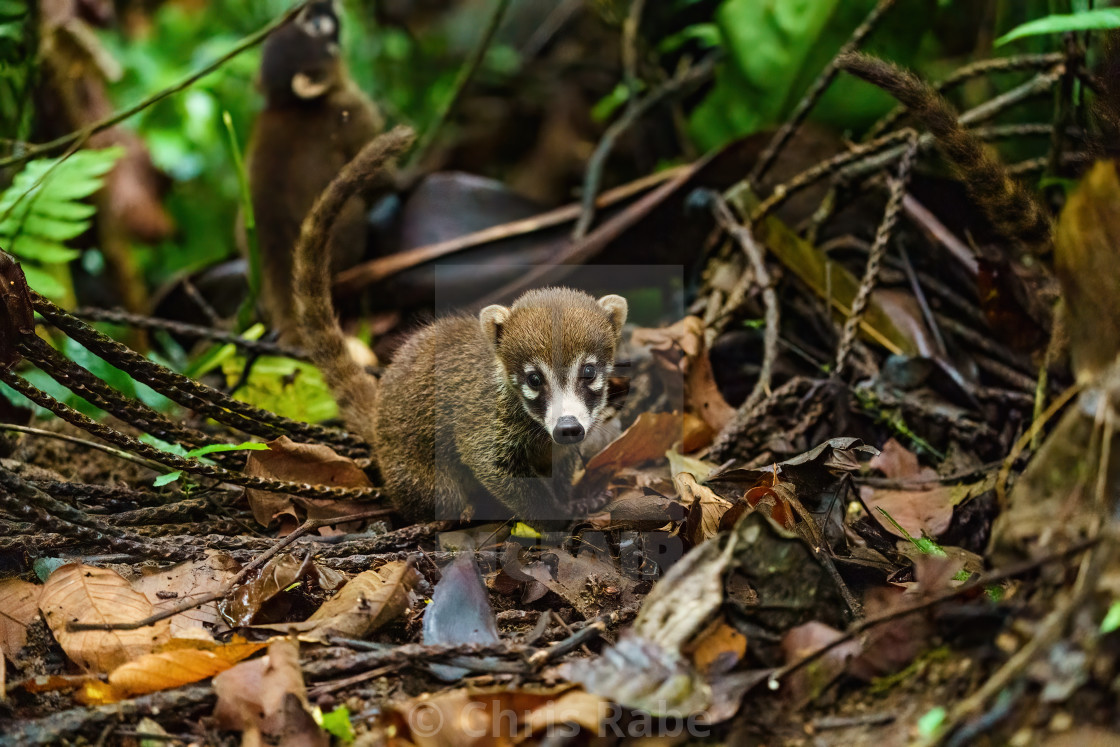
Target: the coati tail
(321, 336)
(1012, 210)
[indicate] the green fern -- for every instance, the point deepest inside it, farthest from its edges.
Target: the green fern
(44, 208)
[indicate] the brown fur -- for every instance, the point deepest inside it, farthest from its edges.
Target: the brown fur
(297, 146)
(1012, 210)
(450, 431)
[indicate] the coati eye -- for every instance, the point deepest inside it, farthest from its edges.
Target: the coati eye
(587, 372)
(534, 380)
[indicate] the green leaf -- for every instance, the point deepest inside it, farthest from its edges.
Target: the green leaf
(215, 448)
(705, 34)
(1089, 20)
(930, 724)
(1111, 619)
(524, 531)
(337, 723)
(42, 209)
(167, 479)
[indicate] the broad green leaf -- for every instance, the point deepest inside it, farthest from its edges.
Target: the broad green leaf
(1088, 20)
(167, 479)
(291, 388)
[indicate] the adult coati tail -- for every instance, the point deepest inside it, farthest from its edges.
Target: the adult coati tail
(1012, 210)
(320, 334)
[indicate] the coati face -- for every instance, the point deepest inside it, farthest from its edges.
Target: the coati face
(555, 350)
(300, 60)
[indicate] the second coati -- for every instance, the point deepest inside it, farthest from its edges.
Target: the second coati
(314, 121)
(466, 419)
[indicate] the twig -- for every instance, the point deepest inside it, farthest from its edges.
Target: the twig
(466, 75)
(119, 453)
(814, 93)
(190, 603)
(1048, 632)
(140, 321)
(594, 629)
(630, 50)
(977, 585)
(594, 173)
(743, 235)
(247, 43)
(874, 258)
(174, 461)
(935, 228)
(374, 270)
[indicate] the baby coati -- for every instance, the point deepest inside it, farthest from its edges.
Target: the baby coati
(465, 419)
(314, 122)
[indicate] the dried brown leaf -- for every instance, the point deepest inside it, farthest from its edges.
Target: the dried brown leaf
(169, 587)
(647, 440)
(314, 464)
(266, 700)
(366, 602)
(19, 606)
(85, 593)
(683, 353)
(178, 666)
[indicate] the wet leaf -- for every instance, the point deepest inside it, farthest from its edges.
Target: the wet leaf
(90, 594)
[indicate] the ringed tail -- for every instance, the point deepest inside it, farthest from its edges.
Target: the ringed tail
(1013, 210)
(321, 336)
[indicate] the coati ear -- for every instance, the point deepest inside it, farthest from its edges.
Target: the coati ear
(492, 318)
(617, 309)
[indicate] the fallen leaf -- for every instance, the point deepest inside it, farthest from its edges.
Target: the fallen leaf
(682, 352)
(266, 596)
(314, 464)
(494, 717)
(718, 648)
(179, 666)
(647, 440)
(85, 593)
(705, 508)
(460, 612)
(923, 512)
(19, 606)
(811, 680)
(365, 603)
(169, 587)
(265, 699)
